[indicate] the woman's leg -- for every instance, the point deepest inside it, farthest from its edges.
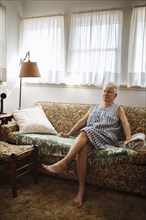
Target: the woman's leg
(81, 168)
(77, 146)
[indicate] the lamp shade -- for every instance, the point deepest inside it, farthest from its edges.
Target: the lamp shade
(29, 69)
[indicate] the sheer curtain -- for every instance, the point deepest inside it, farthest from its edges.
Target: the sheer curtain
(2, 43)
(44, 38)
(137, 48)
(94, 56)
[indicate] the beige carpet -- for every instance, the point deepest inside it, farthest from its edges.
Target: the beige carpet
(52, 199)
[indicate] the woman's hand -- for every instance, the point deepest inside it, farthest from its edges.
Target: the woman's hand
(61, 134)
(126, 142)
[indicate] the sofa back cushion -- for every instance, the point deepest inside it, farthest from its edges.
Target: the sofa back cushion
(63, 116)
(137, 119)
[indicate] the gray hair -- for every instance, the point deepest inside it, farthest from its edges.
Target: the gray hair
(112, 85)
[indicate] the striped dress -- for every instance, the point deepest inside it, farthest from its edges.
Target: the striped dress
(103, 126)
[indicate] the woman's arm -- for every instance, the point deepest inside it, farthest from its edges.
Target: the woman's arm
(125, 124)
(80, 124)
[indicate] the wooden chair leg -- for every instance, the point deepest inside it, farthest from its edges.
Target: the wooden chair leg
(13, 174)
(35, 165)
(31, 166)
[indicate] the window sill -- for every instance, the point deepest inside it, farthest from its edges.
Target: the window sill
(121, 87)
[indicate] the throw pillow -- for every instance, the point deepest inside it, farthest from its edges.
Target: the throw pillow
(33, 120)
(137, 141)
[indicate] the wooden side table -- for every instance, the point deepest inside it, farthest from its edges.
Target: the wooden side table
(5, 118)
(21, 159)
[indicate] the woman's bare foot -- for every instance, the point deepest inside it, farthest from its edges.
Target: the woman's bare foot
(55, 168)
(79, 199)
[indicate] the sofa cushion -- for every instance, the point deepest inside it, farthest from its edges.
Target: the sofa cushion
(55, 146)
(48, 144)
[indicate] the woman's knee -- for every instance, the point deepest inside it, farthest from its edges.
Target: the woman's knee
(85, 150)
(83, 135)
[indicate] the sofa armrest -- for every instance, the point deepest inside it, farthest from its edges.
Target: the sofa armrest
(8, 128)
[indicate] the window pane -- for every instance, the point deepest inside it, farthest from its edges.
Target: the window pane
(44, 38)
(95, 47)
(2, 43)
(137, 48)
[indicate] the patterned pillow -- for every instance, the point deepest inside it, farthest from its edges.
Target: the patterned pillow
(33, 120)
(136, 142)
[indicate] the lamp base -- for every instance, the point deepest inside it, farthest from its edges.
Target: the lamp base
(2, 113)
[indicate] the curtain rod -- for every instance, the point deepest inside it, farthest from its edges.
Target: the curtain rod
(43, 16)
(97, 10)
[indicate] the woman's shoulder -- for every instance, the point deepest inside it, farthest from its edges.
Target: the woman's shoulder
(95, 105)
(115, 105)
(118, 108)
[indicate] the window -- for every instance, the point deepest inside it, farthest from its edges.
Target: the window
(137, 48)
(44, 38)
(95, 47)
(2, 43)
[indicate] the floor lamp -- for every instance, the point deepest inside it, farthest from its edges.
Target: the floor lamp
(28, 69)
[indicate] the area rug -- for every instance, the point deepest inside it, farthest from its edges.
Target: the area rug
(52, 199)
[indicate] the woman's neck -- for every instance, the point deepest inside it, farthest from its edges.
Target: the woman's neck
(107, 104)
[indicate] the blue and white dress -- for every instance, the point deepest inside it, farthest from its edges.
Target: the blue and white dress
(103, 126)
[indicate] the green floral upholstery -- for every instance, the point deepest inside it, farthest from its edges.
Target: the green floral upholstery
(57, 146)
(119, 168)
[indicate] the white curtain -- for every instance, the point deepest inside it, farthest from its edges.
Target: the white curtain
(137, 48)
(2, 43)
(94, 56)
(44, 38)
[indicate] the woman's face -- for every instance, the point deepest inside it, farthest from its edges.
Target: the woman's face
(109, 94)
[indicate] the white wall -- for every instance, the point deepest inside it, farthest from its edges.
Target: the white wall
(32, 93)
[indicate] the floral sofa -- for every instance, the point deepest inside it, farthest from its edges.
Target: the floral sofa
(119, 168)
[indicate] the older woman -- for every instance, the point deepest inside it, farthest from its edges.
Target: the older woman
(99, 129)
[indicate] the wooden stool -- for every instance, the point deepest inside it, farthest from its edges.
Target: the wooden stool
(21, 159)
